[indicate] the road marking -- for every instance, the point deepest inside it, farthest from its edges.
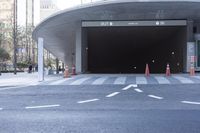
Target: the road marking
(141, 80)
(87, 101)
(58, 82)
(198, 77)
(129, 86)
(79, 81)
(100, 81)
(113, 94)
(1, 108)
(43, 106)
(138, 90)
(162, 80)
(189, 102)
(156, 97)
(120, 80)
(14, 87)
(183, 80)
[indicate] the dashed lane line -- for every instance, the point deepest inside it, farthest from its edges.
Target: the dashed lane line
(129, 86)
(43, 106)
(87, 101)
(155, 97)
(1, 109)
(113, 94)
(138, 90)
(190, 102)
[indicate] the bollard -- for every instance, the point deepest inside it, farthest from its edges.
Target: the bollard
(147, 73)
(168, 73)
(192, 70)
(66, 72)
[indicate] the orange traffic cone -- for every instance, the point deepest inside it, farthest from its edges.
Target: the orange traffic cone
(66, 72)
(168, 73)
(147, 73)
(192, 71)
(73, 70)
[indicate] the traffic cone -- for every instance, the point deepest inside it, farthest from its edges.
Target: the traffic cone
(66, 72)
(147, 73)
(73, 70)
(168, 73)
(192, 71)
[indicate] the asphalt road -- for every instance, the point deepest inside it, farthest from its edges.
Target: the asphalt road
(101, 109)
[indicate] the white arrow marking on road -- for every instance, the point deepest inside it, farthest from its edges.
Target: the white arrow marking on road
(189, 102)
(138, 90)
(156, 97)
(113, 94)
(129, 86)
(87, 101)
(43, 106)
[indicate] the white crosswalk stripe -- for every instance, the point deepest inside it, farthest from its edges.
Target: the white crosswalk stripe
(198, 77)
(141, 80)
(120, 80)
(58, 82)
(79, 81)
(162, 80)
(100, 81)
(183, 80)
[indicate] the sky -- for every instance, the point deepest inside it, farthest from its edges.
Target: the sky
(61, 4)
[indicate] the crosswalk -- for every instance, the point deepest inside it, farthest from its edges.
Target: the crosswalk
(162, 80)
(123, 80)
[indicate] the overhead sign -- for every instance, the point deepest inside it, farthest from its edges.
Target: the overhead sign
(134, 23)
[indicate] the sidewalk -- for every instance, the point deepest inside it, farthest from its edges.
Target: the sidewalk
(9, 79)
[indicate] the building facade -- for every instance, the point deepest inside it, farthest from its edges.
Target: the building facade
(47, 8)
(122, 36)
(6, 13)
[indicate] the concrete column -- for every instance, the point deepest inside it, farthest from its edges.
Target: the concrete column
(190, 48)
(78, 50)
(40, 59)
(190, 34)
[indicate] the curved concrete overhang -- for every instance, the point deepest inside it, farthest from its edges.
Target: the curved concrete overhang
(59, 30)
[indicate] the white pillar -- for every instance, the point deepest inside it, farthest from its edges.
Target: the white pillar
(40, 59)
(78, 51)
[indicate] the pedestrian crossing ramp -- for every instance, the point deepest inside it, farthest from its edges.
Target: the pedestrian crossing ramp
(123, 80)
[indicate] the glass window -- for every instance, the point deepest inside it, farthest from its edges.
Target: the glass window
(198, 53)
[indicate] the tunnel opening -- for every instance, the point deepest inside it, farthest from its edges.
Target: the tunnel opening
(128, 49)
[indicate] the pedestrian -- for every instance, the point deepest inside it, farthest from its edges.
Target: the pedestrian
(30, 68)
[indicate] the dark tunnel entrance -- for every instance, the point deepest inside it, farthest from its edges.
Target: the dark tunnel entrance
(128, 49)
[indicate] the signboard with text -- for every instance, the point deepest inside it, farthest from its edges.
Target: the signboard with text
(134, 23)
